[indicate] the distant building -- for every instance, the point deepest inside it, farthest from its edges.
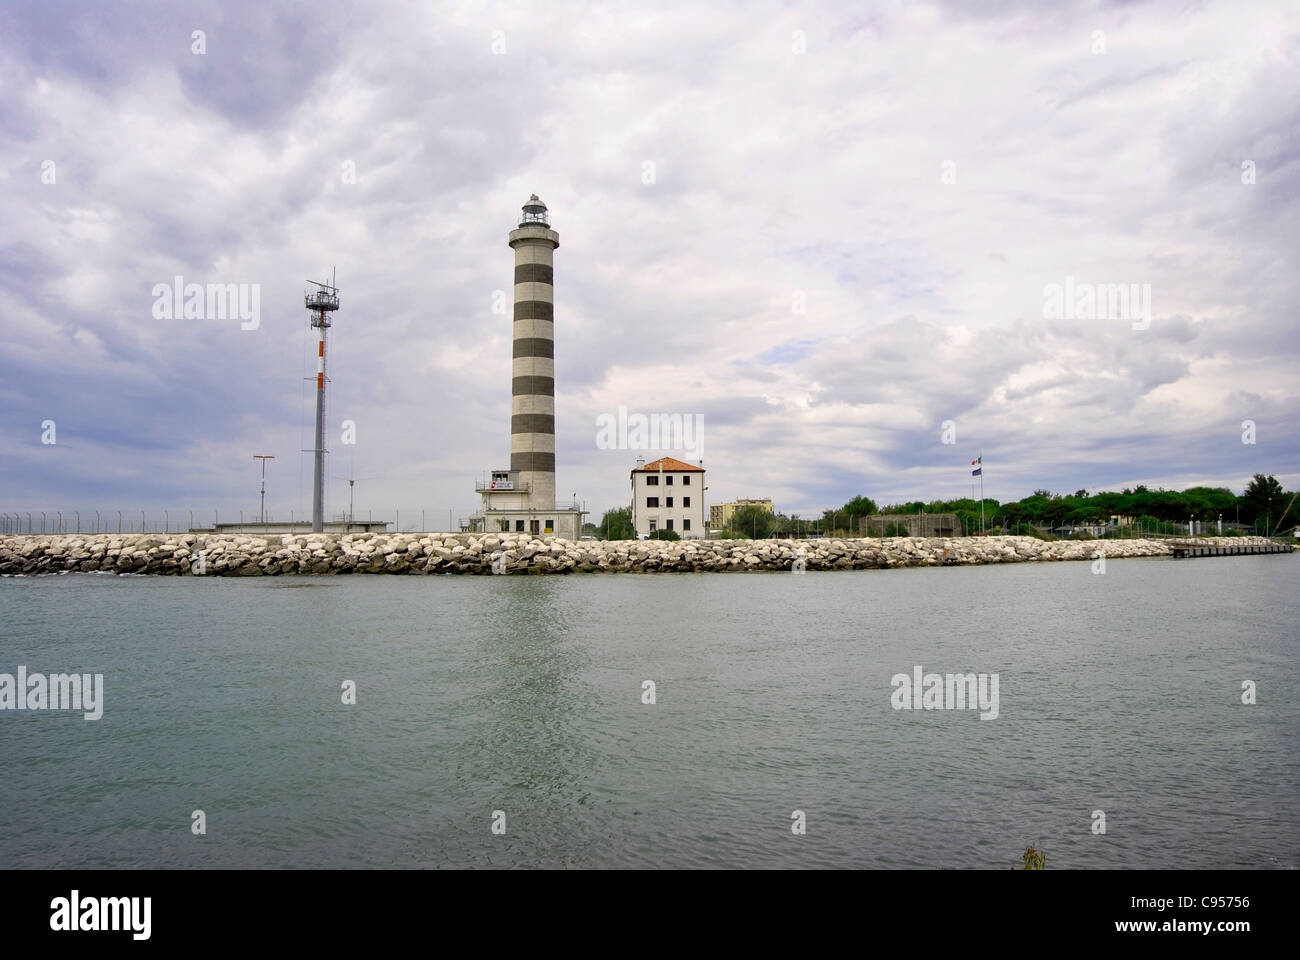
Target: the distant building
(668, 495)
(1091, 529)
(720, 513)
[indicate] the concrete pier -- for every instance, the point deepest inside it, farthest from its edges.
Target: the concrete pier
(1226, 548)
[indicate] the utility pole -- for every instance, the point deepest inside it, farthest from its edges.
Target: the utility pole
(352, 482)
(263, 457)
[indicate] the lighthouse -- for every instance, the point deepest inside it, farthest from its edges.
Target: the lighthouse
(532, 374)
(521, 499)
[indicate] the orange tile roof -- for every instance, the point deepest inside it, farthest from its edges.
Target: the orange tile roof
(668, 464)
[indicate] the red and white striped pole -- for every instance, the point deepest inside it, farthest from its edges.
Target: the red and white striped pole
(320, 363)
(322, 302)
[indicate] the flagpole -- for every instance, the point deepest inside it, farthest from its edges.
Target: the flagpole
(981, 492)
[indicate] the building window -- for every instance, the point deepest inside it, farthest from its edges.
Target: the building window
(519, 525)
(686, 524)
(505, 525)
(653, 526)
(686, 501)
(550, 526)
(686, 480)
(669, 479)
(652, 501)
(668, 502)
(669, 525)
(652, 481)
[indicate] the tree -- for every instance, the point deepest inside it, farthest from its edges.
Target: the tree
(753, 522)
(860, 506)
(1265, 503)
(590, 530)
(784, 526)
(617, 524)
(1255, 502)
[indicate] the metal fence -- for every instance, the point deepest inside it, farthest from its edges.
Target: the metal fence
(51, 522)
(13, 522)
(910, 525)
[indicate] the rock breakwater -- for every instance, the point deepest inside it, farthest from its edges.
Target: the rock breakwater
(200, 554)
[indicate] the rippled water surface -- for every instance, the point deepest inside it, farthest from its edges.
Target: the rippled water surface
(1119, 692)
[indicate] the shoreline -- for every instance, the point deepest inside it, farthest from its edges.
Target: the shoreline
(328, 554)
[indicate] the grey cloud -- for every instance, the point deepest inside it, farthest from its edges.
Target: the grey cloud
(775, 174)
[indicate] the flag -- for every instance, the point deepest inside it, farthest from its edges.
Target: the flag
(977, 472)
(979, 459)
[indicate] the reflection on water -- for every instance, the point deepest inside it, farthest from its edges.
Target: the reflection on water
(526, 751)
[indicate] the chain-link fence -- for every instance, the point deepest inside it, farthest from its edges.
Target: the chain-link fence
(55, 522)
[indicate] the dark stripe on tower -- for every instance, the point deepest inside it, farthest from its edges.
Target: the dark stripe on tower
(534, 310)
(536, 462)
(534, 347)
(534, 273)
(532, 387)
(532, 423)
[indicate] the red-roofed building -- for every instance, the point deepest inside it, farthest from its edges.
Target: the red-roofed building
(668, 494)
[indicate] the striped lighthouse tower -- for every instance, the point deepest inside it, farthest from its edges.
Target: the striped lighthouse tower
(532, 387)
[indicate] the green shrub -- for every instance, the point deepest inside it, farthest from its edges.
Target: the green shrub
(1034, 859)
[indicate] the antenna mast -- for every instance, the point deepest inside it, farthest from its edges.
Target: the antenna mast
(322, 302)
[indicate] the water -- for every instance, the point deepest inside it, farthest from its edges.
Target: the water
(1119, 693)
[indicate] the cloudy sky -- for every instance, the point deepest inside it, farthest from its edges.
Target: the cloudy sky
(826, 229)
